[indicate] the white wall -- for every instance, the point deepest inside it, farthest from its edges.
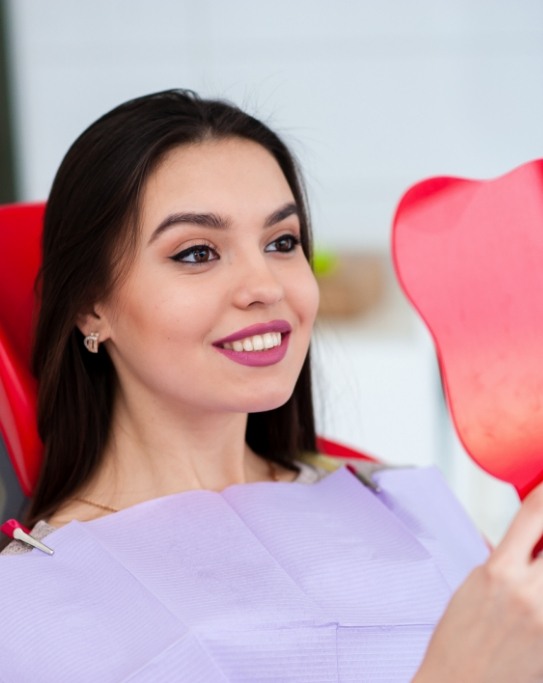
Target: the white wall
(376, 94)
(373, 95)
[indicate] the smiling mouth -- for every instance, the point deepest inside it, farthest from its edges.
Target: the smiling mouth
(257, 342)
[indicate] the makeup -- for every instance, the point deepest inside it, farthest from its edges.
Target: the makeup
(257, 345)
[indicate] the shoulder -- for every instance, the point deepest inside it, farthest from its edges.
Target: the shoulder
(316, 466)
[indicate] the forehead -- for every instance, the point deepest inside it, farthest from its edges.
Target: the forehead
(231, 176)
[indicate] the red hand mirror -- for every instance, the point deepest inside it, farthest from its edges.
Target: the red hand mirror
(469, 255)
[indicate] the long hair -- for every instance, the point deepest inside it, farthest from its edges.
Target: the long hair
(90, 231)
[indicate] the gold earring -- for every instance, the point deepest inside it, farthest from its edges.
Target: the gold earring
(91, 342)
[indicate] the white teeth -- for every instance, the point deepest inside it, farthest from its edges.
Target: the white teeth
(258, 342)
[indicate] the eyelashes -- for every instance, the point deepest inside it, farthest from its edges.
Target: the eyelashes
(284, 244)
(199, 253)
(205, 253)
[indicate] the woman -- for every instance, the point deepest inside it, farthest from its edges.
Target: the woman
(177, 303)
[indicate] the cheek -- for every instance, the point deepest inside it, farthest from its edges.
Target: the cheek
(166, 311)
(306, 295)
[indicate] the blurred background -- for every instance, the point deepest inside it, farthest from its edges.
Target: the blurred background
(372, 96)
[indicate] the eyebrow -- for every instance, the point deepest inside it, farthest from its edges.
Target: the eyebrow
(281, 214)
(212, 220)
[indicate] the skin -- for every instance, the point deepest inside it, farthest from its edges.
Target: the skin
(181, 407)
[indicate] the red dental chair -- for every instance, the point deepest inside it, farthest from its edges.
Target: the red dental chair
(20, 446)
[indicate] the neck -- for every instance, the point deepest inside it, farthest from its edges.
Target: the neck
(157, 450)
(153, 453)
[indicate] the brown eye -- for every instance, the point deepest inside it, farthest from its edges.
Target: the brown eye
(200, 253)
(283, 244)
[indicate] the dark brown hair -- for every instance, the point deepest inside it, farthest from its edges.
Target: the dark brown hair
(90, 224)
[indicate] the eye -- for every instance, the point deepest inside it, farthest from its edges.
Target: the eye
(199, 253)
(283, 244)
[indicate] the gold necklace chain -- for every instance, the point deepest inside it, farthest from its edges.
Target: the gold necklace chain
(274, 475)
(101, 506)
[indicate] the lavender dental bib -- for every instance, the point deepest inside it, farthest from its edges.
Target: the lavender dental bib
(262, 582)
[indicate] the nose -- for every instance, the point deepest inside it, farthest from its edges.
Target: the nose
(256, 282)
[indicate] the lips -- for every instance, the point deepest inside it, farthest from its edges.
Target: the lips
(258, 345)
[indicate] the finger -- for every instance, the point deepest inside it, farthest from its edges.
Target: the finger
(525, 530)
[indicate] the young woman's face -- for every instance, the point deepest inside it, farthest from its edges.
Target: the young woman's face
(217, 309)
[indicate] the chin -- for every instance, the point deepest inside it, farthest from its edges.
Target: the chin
(268, 401)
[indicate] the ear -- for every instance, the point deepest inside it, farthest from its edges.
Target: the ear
(93, 321)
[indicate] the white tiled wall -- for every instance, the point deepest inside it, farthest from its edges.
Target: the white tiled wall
(373, 96)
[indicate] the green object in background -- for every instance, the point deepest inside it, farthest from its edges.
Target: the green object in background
(325, 262)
